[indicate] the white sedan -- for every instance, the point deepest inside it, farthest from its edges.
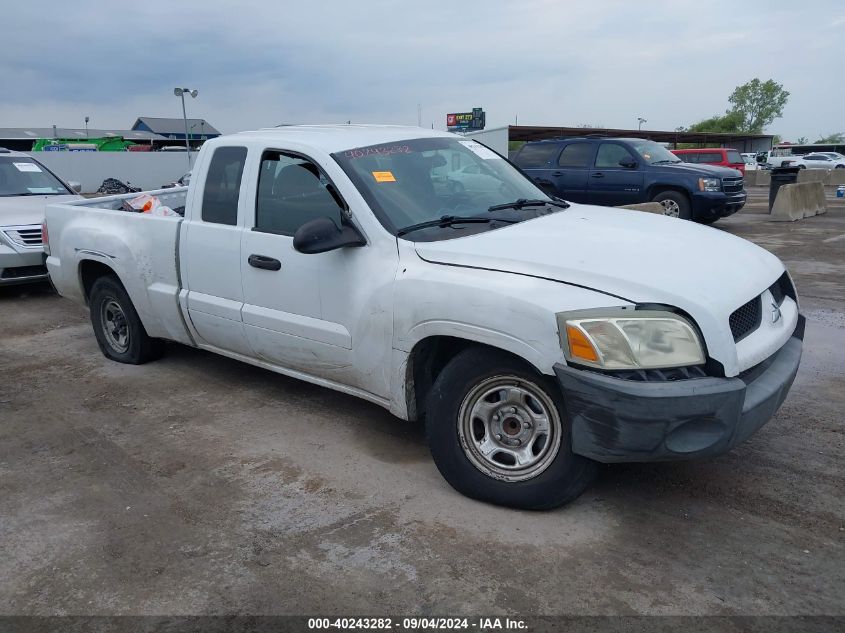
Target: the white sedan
(473, 179)
(819, 160)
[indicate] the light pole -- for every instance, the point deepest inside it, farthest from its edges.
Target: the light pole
(86, 126)
(180, 92)
(641, 120)
(201, 123)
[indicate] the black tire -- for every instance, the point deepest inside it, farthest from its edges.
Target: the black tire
(676, 201)
(802, 167)
(110, 304)
(840, 167)
(563, 477)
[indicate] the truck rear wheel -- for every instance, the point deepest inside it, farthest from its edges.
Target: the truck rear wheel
(675, 204)
(498, 433)
(117, 327)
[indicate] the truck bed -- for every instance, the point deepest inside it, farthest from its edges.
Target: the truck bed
(141, 249)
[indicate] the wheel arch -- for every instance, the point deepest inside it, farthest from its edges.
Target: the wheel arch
(659, 188)
(430, 355)
(90, 270)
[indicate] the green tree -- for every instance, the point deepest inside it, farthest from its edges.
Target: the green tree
(802, 140)
(835, 138)
(730, 122)
(758, 103)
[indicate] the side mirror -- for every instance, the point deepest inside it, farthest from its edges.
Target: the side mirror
(322, 235)
(628, 163)
(76, 186)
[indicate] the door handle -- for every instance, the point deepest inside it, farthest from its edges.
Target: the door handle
(558, 173)
(267, 263)
(597, 174)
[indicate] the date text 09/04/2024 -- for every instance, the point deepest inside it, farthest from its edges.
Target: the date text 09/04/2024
(418, 624)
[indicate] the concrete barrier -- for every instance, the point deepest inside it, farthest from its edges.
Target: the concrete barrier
(751, 177)
(648, 207)
(764, 178)
(799, 200)
(814, 175)
(836, 177)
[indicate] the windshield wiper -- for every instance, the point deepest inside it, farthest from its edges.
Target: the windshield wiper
(524, 202)
(450, 220)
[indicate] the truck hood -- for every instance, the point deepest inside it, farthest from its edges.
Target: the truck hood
(20, 210)
(702, 171)
(634, 256)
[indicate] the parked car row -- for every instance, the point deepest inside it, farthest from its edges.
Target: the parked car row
(533, 336)
(620, 171)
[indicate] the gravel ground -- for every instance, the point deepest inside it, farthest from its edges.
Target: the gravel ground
(199, 485)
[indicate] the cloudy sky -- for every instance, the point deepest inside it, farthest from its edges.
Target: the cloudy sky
(260, 63)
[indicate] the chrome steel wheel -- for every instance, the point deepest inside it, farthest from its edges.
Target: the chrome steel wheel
(671, 208)
(115, 326)
(509, 428)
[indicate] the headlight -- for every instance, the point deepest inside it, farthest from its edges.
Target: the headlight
(709, 184)
(629, 339)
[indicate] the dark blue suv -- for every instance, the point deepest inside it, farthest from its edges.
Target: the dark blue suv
(617, 171)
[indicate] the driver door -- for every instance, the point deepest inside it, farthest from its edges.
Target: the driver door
(612, 184)
(282, 314)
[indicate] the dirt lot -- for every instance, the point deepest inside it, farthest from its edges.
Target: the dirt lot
(201, 485)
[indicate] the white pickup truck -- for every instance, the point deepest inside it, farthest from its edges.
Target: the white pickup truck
(533, 337)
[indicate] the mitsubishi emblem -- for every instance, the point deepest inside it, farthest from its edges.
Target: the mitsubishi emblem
(775, 312)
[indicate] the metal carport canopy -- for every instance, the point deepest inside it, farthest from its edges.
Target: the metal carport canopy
(536, 133)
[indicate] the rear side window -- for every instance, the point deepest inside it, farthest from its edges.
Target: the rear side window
(610, 154)
(536, 154)
(576, 155)
(223, 185)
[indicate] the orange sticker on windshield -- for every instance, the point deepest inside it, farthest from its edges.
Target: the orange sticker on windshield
(384, 176)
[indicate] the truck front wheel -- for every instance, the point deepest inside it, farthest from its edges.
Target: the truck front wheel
(117, 327)
(498, 433)
(675, 204)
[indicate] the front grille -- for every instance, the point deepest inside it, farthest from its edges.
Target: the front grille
(28, 236)
(23, 271)
(733, 185)
(659, 375)
(746, 319)
(782, 288)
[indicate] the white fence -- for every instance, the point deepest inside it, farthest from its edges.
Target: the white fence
(148, 170)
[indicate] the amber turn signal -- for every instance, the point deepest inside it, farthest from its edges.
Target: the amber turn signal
(579, 345)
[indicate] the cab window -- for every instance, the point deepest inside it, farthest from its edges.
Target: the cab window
(292, 190)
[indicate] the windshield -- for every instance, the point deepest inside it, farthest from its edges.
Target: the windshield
(22, 176)
(654, 153)
(425, 179)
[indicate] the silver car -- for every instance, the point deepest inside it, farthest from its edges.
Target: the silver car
(26, 187)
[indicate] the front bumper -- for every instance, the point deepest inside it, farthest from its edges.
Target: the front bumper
(24, 266)
(717, 203)
(616, 420)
